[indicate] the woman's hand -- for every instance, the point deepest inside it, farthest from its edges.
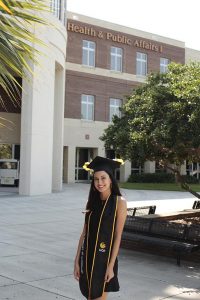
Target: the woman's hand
(76, 271)
(109, 273)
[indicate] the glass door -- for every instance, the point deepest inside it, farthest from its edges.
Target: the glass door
(82, 155)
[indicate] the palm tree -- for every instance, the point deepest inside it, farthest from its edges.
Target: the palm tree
(17, 41)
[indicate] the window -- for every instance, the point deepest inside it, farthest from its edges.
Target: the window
(65, 12)
(136, 167)
(193, 169)
(88, 53)
(55, 6)
(8, 165)
(115, 105)
(141, 64)
(116, 59)
(87, 107)
(164, 62)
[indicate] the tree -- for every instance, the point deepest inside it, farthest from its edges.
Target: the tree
(17, 41)
(5, 151)
(160, 120)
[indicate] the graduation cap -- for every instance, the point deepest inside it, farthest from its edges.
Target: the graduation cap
(103, 164)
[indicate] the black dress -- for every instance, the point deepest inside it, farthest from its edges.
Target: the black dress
(96, 249)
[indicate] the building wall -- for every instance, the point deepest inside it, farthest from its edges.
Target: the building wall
(191, 55)
(101, 87)
(41, 129)
(103, 83)
(38, 123)
(130, 43)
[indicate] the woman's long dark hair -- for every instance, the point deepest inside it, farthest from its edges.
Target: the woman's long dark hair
(95, 195)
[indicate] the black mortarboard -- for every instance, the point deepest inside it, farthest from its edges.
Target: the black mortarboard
(104, 164)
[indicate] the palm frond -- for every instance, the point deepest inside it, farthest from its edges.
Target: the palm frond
(17, 41)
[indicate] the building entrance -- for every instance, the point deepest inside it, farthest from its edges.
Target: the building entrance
(82, 155)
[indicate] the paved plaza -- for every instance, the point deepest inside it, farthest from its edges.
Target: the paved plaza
(38, 241)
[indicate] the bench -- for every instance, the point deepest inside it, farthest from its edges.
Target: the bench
(141, 210)
(157, 234)
(196, 205)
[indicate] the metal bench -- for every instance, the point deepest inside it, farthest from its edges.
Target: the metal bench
(154, 233)
(196, 205)
(141, 210)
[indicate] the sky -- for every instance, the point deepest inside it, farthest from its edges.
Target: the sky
(176, 19)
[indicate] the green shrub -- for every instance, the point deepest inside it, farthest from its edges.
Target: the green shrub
(190, 179)
(152, 178)
(160, 178)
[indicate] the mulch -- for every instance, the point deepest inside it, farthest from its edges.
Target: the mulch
(187, 220)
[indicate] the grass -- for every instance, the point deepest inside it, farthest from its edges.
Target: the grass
(157, 186)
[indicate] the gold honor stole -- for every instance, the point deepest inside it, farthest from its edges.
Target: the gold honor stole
(96, 250)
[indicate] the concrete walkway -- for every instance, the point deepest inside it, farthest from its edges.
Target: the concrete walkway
(38, 240)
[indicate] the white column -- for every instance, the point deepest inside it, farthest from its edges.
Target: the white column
(183, 169)
(71, 164)
(149, 166)
(41, 128)
(125, 171)
(37, 129)
(99, 151)
(58, 129)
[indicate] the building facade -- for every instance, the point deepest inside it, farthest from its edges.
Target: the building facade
(35, 135)
(89, 68)
(105, 62)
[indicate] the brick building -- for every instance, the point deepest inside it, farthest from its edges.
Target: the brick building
(105, 62)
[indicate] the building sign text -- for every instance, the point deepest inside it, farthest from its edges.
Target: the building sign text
(118, 38)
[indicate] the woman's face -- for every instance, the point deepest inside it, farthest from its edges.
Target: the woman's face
(102, 181)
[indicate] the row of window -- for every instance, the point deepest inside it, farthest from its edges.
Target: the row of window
(55, 6)
(58, 8)
(87, 107)
(116, 58)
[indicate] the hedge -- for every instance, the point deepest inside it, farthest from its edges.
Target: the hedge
(159, 178)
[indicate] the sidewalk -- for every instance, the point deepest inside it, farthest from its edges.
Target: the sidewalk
(38, 240)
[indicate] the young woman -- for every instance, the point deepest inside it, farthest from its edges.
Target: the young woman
(96, 265)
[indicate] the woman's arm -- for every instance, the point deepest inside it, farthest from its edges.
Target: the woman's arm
(121, 218)
(76, 261)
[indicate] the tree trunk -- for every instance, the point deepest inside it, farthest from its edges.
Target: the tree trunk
(179, 179)
(184, 185)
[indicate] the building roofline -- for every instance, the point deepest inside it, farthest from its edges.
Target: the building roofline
(124, 29)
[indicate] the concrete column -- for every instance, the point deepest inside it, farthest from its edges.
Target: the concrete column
(99, 151)
(58, 128)
(149, 166)
(37, 129)
(71, 164)
(183, 169)
(125, 171)
(41, 128)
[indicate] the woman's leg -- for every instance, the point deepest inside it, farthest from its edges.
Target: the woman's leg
(103, 297)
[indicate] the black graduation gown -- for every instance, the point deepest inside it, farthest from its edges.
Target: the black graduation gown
(96, 250)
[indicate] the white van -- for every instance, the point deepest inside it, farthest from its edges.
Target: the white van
(9, 172)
